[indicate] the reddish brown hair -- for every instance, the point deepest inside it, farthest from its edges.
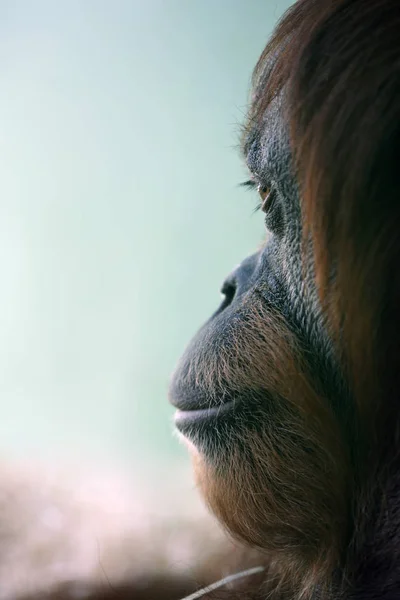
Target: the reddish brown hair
(338, 65)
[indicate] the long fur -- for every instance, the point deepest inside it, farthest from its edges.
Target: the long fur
(315, 488)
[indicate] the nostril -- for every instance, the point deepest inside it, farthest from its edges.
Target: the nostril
(228, 290)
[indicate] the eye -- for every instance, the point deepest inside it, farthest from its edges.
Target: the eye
(268, 205)
(266, 198)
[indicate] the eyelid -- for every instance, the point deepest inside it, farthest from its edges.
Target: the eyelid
(256, 182)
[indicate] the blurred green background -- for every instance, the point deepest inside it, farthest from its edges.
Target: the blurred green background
(120, 213)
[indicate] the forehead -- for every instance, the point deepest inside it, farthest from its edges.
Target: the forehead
(265, 142)
(266, 145)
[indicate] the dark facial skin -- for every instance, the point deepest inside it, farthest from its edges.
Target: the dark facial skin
(259, 396)
(274, 278)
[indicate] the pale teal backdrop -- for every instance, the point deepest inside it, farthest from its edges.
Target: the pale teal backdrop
(119, 209)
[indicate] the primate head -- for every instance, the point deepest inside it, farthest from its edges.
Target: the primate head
(288, 396)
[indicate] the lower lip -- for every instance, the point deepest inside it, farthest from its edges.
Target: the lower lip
(185, 418)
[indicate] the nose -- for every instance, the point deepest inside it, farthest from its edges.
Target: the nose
(239, 281)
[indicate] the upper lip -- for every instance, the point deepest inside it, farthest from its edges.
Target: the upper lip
(188, 397)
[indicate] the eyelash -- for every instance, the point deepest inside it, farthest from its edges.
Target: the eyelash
(250, 184)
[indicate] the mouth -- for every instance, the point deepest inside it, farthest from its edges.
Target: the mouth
(187, 419)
